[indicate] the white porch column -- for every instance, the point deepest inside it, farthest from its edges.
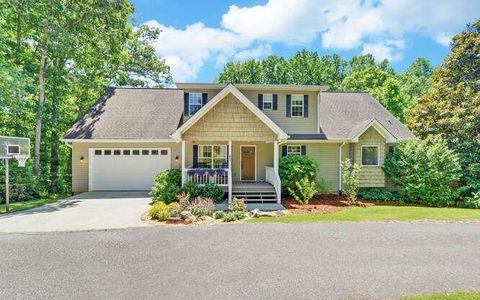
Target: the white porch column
(230, 171)
(275, 156)
(183, 163)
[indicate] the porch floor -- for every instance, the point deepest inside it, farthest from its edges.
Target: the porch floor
(251, 206)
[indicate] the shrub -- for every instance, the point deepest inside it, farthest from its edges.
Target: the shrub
(159, 211)
(304, 190)
(238, 205)
(194, 190)
(472, 201)
(213, 192)
(183, 200)
(350, 178)
(201, 207)
(233, 216)
(425, 173)
(295, 167)
(167, 185)
(379, 195)
(219, 215)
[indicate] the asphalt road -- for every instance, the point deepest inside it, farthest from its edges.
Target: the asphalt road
(248, 261)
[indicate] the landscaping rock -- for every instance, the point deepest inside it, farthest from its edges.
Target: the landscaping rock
(254, 213)
(187, 217)
(206, 219)
(174, 220)
(277, 213)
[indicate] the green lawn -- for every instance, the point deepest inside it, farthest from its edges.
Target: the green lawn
(447, 296)
(18, 206)
(380, 213)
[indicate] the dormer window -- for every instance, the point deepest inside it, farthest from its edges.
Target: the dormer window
(194, 102)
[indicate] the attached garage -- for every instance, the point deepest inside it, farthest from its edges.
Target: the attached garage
(123, 169)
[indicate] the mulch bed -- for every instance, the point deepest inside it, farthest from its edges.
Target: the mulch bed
(327, 203)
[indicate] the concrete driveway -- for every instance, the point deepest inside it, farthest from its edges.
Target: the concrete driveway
(87, 211)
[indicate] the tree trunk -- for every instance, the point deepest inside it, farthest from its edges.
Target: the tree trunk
(54, 159)
(40, 105)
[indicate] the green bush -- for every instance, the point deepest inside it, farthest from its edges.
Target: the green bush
(426, 173)
(167, 186)
(351, 181)
(192, 189)
(472, 201)
(159, 211)
(379, 195)
(304, 190)
(219, 215)
(295, 167)
(238, 205)
(213, 192)
(23, 184)
(233, 216)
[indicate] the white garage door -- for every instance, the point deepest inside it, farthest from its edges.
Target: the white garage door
(114, 169)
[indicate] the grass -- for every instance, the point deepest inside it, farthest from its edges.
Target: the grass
(19, 206)
(446, 296)
(380, 213)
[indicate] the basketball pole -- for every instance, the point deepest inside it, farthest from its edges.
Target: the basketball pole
(7, 187)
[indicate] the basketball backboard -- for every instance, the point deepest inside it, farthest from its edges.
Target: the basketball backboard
(14, 148)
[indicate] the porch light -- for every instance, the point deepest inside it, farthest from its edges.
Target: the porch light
(81, 159)
(176, 158)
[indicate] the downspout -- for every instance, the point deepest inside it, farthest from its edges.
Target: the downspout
(340, 168)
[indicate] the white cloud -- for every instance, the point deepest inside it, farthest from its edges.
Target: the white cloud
(443, 38)
(257, 52)
(342, 24)
(389, 49)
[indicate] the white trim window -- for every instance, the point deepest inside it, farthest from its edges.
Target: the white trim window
(297, 105)
(212, 156)
(194, 103)
(294, 150)
(267, 101)
(370, 155)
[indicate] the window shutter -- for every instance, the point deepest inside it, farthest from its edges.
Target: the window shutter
(284, 151)
(185, 104)
(195, 156)
(227, 158)
(275, 102)
(303, 150)
(204, 98)
(305, 106)
(289, 106)
(260, 101)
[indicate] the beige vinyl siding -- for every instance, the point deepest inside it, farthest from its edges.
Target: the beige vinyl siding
(289, 125)
(371, 176)
(326, 156)
(229, 119)
(80, 169)
(279, 116)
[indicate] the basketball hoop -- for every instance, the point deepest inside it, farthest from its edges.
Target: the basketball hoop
(21, 159)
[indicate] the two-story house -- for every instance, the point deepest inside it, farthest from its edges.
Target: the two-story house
(230, 135)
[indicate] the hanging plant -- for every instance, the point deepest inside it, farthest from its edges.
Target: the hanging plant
(211, 172)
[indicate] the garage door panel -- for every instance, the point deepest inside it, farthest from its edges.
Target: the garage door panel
(126, 172)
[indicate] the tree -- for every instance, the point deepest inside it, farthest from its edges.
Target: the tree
(451, 110)
(61, 56)
(416, 81)
(382, 85)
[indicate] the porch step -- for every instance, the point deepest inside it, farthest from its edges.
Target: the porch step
(254, 192)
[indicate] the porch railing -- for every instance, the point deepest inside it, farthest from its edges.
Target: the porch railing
(205, 176)
(273, 178)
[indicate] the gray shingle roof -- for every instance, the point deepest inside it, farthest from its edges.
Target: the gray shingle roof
(342, 114)
(131, 113)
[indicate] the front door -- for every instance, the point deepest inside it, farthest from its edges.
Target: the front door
(248, 162)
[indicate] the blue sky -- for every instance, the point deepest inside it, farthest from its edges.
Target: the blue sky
(199, 37)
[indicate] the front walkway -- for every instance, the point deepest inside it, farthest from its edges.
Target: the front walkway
(87, 211)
